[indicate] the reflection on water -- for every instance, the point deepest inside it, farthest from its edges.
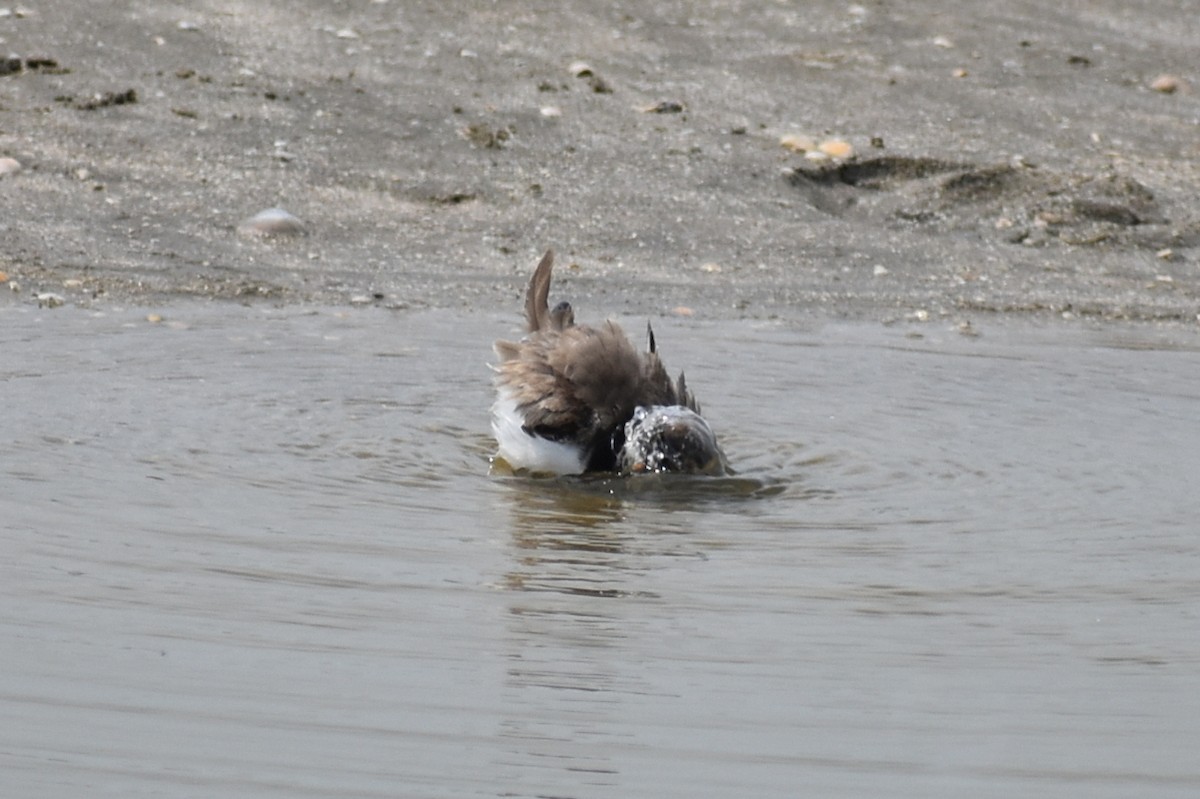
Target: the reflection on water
(256, 551)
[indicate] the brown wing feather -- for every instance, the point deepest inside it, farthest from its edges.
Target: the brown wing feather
(537, 310)
(604, 370)
(571, 382)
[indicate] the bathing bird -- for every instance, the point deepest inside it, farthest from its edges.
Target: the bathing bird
(575, 398)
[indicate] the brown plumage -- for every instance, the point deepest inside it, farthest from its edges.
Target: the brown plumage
(577, 384)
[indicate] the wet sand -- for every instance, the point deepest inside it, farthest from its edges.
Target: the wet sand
(1008, 160)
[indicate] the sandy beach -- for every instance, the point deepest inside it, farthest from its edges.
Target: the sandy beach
(1025, 160)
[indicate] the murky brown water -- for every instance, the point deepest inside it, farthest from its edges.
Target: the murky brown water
(258, 553)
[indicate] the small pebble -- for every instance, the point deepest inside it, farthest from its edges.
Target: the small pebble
(154, 318)
(599, 85)
(921, 315)
(551, 111)
(3, 277)
(580, 69)
(1165, 254)
(481, 135)
(682, 310)
(710, 268)
(9, 166)
(347, 33)
(1167, 84)
(187, 25)
(880, 270)
(797, 143)
(836, 148)
(959, 73)
(270, 223)
(48, 299)
(664, 107)
(816, 155)
(38, 63)
(72, 283)
(942, 41)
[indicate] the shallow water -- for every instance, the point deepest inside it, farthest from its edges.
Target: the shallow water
(257, 552)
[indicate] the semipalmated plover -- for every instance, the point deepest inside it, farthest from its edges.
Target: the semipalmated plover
(575, 398)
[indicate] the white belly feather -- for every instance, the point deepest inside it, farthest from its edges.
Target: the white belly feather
(523, 451)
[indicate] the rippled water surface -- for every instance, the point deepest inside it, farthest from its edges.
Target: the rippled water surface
(258, 552)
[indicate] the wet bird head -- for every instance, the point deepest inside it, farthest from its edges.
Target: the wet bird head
(669, 438)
